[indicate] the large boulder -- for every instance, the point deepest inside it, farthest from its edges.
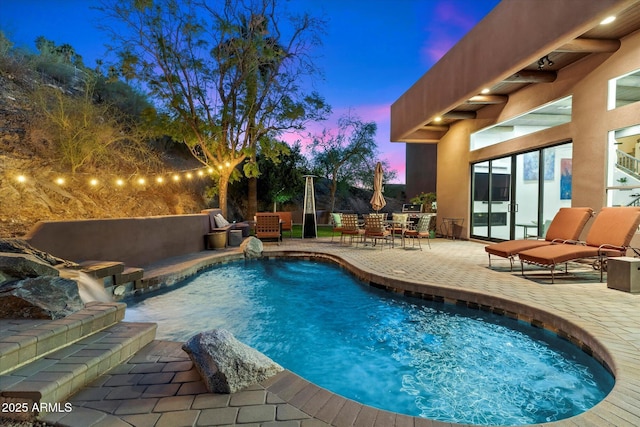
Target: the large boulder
(44, 297)
(19, 246)
(21, 266)
(252, 248)
(225, 364)
(30, 285)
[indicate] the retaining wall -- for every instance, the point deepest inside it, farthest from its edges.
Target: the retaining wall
(135, 241)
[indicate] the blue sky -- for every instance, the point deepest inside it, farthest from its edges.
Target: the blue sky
(372, 52)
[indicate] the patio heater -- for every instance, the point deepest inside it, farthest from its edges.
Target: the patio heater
(309, 227)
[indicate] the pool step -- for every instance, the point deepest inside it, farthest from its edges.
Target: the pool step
(25, 340)
(44, 385)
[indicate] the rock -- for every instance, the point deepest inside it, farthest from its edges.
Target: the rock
(18, 246)
(252, 247)
(225, 364)
(21, 266)
(44, 297)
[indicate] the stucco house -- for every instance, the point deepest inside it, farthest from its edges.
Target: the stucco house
(536, 108)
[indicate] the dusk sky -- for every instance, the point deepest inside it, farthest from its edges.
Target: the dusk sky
(372, 52)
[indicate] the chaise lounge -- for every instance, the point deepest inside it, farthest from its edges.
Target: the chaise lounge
(565, 227)
(609, 236)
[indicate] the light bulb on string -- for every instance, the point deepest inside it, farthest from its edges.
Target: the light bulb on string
(141, 181)
(159, 180)
(119, 182)
(21, 179)
(59, 181)
(93, 182)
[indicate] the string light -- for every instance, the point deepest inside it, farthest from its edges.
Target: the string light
(95, 182)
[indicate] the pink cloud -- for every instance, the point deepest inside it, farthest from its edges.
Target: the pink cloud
(449, 25)
(393, 153)
(451, 14)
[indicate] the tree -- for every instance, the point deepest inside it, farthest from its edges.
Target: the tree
(84, 132)
(282, 178)
(225, 75)
(341, 155)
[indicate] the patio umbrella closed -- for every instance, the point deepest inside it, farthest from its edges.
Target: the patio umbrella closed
(377, 200)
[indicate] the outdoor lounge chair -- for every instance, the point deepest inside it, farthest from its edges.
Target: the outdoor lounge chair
(268, 226)
(420, 231)
(566, 226)
(609, 236)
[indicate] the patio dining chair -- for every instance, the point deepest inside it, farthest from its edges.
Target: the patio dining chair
(375, 229)
(399, 223)
(420, 231)
(350, 228)
(336, 224)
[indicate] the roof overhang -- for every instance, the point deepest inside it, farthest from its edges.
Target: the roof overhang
(504, 52)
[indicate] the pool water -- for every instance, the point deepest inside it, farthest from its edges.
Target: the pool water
(400, 354)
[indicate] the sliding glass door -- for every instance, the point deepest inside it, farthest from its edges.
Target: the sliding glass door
(517, 196)
(491, 203)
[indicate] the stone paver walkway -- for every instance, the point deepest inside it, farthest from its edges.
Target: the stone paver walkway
(160, 387)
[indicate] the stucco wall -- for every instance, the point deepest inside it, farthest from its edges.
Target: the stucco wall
(421, 164)
(587, 82)
(134, 241)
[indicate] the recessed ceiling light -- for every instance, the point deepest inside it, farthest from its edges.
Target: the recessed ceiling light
(608, 20)
(485, 91)
(437, 119)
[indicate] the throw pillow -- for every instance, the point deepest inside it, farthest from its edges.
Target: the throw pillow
(337, 219)
(220, 221)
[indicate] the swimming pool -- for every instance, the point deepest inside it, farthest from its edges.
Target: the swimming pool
(405, 355)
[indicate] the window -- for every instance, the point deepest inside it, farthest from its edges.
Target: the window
(624, 90)
(499, 190)
(548, 116)
(623, 172)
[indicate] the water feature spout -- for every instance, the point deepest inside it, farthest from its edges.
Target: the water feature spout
(89, 288)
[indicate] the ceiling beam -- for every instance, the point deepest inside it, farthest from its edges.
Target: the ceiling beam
(436, 128)
(422, 135)
(528, 76)
(589, 46)
(459, 115)
(487, 99)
